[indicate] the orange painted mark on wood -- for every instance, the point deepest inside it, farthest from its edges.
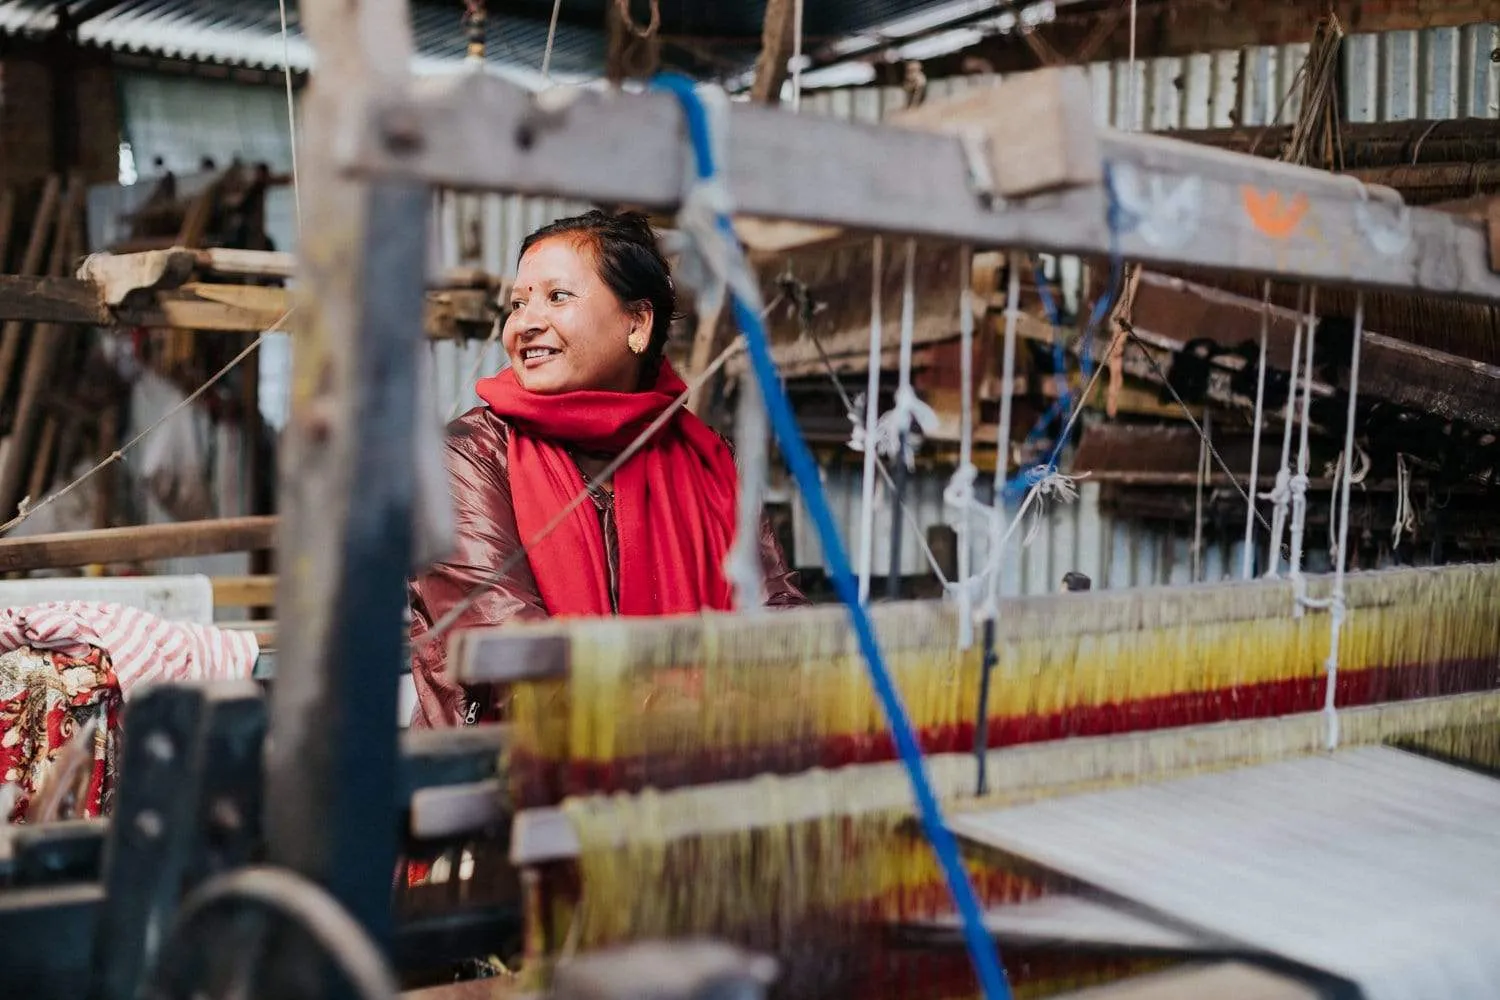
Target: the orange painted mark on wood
(1273, 216)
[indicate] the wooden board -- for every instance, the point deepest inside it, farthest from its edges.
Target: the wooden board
(451, 313)
(1182, 204)
(1070, 922)
(138, 543)
(1370, 864)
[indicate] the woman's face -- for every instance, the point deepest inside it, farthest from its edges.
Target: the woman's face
(567, 330)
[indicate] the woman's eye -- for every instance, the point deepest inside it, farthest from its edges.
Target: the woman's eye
(516, 305)
(558, 296)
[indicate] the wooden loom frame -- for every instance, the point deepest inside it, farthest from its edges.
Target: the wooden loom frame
(375, 140)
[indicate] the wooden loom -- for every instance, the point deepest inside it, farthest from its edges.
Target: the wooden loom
(732, 775)
(758, 733)
(755, 719)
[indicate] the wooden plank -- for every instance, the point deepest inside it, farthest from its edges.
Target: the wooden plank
(346, 483)
(140, 543)
(1183, 204)
(244, 591)
(1316, 827)
(42, 227)
(1037, 129)
(1393, 370)
(490, 656)
(450, 313)
(451, 810)
(775, 50)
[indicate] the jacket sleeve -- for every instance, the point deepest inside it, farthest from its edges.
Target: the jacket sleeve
(485, 536)
(782, 590)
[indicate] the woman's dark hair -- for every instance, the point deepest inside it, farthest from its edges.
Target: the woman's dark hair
(630, 263)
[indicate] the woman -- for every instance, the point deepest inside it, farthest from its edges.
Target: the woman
(589, 315)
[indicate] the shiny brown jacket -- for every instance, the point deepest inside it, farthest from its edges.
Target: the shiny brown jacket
(485, 536)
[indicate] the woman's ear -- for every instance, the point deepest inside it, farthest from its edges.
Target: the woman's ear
(642, 318)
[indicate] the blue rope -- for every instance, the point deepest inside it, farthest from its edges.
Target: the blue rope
(805, 471)
(1119, 220)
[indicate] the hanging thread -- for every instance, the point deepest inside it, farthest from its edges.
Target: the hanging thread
(1281, 494)
(864, 438)
(1247, 567)
(959, 494)
(1337, 609)
(1299, 480)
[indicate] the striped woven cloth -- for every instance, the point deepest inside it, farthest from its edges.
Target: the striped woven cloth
(142, 647)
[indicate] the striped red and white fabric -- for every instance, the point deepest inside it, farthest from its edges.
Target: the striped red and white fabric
(142, 647)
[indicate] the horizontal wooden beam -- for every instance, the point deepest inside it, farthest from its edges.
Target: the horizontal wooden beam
(138, 543)
(1396, 371)
(451, 313)
(1178, 203)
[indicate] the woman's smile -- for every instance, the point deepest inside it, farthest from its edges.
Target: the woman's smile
(534, 357)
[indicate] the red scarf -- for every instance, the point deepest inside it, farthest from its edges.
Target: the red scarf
(674, 499)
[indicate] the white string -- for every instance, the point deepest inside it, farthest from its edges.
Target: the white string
(1336, 617)
(1002, 432)
(1405, 517)
(1299, 481)
(118, 455)
(1281, 493)
(797, 56)
(1203, 472)
(894, 432)
(872, 416)
(1247, 568)
(291, 114)
(960, 491)
(551, 36)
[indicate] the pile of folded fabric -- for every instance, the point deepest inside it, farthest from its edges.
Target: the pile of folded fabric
(66, 669)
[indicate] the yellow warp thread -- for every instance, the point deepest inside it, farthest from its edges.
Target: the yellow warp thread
(756, 859)
(668, 688)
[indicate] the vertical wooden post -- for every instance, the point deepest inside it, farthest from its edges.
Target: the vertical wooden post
(775, 50)
(346, 481)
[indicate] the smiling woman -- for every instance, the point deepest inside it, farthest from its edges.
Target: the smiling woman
(586, 335)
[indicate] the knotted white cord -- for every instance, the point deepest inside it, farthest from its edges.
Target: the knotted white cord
(866, 440)
(1247, 567)
(894, 435)
(1299, 481)
(1336, 617)
(1281, 493)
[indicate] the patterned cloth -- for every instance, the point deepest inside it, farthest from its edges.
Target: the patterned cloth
(141, 646)
(64, 664)
(46, 698)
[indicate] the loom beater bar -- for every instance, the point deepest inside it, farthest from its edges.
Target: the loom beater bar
(804, 470)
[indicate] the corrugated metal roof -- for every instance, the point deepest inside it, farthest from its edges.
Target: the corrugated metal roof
(719, 39)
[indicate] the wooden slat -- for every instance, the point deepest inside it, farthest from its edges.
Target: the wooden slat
(1315, 860)
(450, 313)
(1185, 204)
(138, 543)
(244, 591)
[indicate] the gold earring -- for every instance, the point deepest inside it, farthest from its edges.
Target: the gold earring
(637, 342)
